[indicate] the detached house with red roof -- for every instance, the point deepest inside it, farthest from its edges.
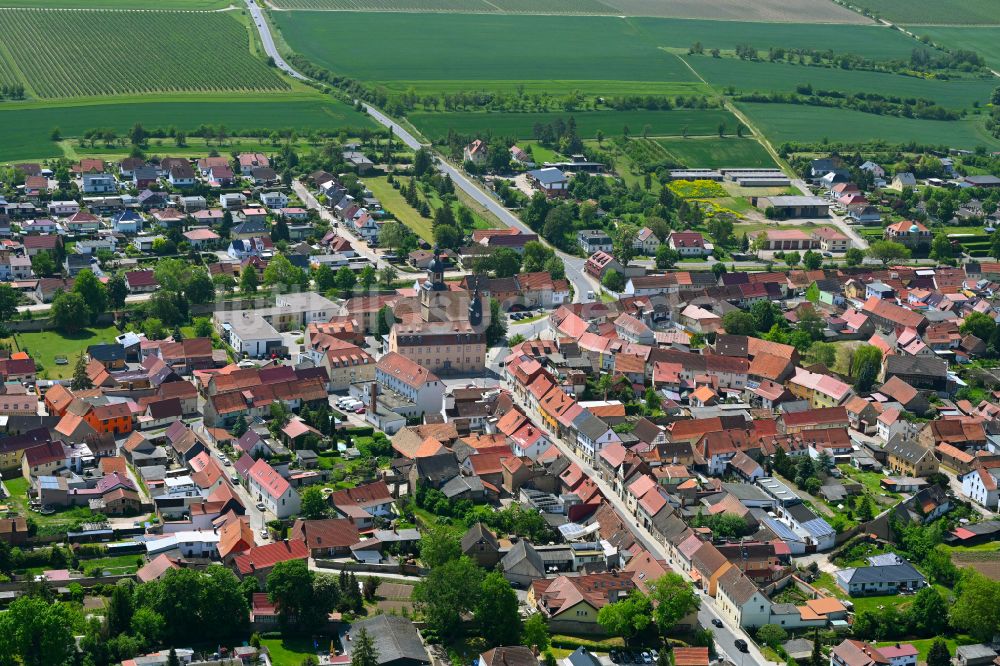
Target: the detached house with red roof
(689, 244)
(364, 503)
(259, 561)
(272, 489)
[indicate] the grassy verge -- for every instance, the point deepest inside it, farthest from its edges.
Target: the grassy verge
(394, 202)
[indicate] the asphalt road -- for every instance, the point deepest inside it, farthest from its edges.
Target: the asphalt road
(268, 41)
(574, 265)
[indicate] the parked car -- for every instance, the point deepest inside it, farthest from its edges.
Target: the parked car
(360, 410)
(261, 507)
(716, 622)
(741, 645)
(646, 657)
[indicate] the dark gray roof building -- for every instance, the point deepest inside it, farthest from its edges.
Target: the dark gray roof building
(396, 640)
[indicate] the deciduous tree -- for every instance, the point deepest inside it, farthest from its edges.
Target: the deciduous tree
(888, 252)
(497, 611)
(626, 617)
(673, 598)
(70, 312)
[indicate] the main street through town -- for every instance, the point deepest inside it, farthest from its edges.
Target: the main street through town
(726, 635)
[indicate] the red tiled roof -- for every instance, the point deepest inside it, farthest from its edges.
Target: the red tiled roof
(265, 557)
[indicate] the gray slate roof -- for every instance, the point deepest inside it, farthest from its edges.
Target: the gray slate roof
(395, 638)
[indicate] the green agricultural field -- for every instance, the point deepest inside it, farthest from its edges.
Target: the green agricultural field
(25, 129)
(948, 12)
(435, 126)
(871, 41)
(790, 122)
(711, 153)
(121, 4)
(985, 41)
(91, 53)
(781, 11)
(776, 11)
(465, 6)
(747, 76)
(474, 48)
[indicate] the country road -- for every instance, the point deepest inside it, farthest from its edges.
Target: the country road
(268, 41)
(574, 265)
(725, 636)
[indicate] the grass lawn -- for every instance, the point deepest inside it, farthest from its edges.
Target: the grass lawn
(394, 204)
(55, 523)
(870, 480)
(288, 651)
(120, 564)
(923, 645)
(45, 345)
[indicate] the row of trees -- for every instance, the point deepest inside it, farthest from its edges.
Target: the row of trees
(38, 630)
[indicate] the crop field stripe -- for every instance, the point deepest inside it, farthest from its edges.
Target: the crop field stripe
(435, 126)
(468, 47)
(25, 128)
(796, 11)
(985, 41)
(791, 122)
(176, 5)
(70, 53)
(944, 12)
(714, 152)
(761, 76)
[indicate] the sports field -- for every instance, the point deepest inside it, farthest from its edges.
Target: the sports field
(25, 129)
(819, 11)
(91, 53)
(985, 41)
(479, 47)
(435, 126)
(747, 76)
(714, 152)
(948, 12)
(790, 122)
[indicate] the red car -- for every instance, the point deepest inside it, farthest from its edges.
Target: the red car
(359, 410)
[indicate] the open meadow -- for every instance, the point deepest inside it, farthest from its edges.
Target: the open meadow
(435, 126)
(791, 122)
(949, 12)
(819, 11)
(89, 53)
(25, 129)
